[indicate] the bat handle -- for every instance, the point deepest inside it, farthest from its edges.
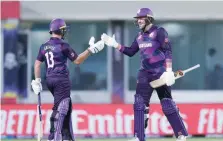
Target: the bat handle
(39, 99)
(192, 68)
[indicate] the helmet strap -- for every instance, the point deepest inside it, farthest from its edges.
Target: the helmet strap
(147, 26)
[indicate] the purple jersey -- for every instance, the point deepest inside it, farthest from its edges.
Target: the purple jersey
(154, 49)
(55, 53)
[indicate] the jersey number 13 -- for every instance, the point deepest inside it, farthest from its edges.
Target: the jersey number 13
(49, 59)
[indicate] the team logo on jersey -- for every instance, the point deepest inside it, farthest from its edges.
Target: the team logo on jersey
(140, 37)
(72, 54)
(152, 35)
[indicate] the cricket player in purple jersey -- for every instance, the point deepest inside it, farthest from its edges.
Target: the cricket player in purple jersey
(55, 53)
(156, 62)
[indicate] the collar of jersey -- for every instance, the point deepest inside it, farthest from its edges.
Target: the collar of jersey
(54, 38)
(151, 29)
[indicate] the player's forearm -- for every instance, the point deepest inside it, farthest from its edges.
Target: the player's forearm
(168, 64)
(168, 55)
(82, 57)
(37, 69)
(129, 51)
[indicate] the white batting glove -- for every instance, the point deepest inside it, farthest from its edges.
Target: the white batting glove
(36, 86)
(95, 47)
(168, 77)
(109, 41)
(91, 41)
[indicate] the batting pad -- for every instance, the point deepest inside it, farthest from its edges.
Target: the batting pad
(139, 126)
(172, 113)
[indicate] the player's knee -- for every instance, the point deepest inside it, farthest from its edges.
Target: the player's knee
(139, 103)
(168, 106)
(164, 92)
(64, 106)
(145, 92)
(142, 88)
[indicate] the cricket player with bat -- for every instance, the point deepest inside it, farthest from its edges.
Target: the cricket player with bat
(55, 53)
(156, 62)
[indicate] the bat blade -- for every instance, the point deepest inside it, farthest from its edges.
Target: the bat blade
(39, 125)
(157, 83)
(39, 120)
(178, 74)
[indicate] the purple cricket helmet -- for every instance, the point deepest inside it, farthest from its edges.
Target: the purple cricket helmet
(58, 26)
(144, 12)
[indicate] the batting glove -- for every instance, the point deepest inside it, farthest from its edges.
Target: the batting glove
(91, 41)
(95, 47)
(36, 86)
(168, 77)
(109, 41)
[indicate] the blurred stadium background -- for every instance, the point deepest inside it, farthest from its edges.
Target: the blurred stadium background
(103, 87)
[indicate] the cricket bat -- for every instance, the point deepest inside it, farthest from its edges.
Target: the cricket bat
(178, 74)
(39, 120)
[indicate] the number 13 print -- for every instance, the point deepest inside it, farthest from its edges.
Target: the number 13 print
(49, 59)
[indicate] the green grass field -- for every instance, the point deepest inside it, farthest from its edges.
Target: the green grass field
(152, 139)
